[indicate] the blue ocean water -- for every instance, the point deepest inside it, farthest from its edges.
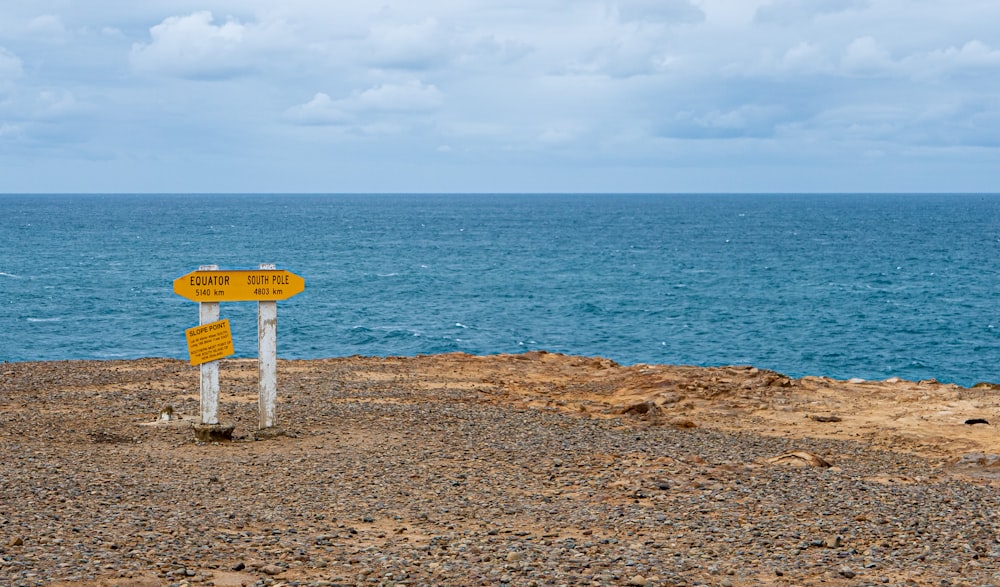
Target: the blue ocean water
(870, 286)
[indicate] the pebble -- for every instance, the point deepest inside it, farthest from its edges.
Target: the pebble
(389, 480)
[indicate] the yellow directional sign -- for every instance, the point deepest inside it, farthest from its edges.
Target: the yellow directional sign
(255, 285)
(209, 342)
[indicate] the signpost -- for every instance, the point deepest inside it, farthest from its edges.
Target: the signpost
(209, 286)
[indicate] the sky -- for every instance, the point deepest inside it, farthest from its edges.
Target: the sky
(500, 96)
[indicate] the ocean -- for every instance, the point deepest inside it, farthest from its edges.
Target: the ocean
(869, 286)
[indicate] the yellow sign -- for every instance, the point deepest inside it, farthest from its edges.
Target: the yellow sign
(209, 342)
(255, 285)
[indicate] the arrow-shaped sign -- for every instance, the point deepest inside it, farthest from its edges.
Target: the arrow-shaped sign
(255, 285)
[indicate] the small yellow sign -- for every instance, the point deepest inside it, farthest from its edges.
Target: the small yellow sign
(209, 342)
(255, 285)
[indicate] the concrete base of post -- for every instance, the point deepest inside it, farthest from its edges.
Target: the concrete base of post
(269, 433)
(213, 432)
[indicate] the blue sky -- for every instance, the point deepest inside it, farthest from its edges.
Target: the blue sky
(500, 96)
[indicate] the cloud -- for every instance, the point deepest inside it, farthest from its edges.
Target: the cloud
(745, 121)
(867, 57)
(788, 12)
(10, 66)
(864, 56)
(970, 57)
(53, 104)
(9, 130)
(321, 110)
(410, 97)
(638, 40)
(371, 104)
(48, 25)
(494, 80)
(430, 44)
(805, 58)
(416, 46)
(905, 124)
(194, 47)
(561, 133)
(659, 11)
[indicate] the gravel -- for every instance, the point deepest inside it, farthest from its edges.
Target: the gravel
(391, 481)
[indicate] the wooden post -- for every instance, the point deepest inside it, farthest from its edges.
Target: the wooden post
(267, 358)
(209, 312)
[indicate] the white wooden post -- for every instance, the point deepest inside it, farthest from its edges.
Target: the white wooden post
(267, 358)
(209, 312)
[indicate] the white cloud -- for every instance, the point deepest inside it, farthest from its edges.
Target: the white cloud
(48, 25)
(432, 44)
(419, 45)
(745, 121)
(10, 66)
(321, 110)
(659, 11)
(806, 57)
(410, 97)
(194, 47)
(52, 104)
(9, 131)
(358, 109)
(865, 56)
(972, 56)
(787, 12)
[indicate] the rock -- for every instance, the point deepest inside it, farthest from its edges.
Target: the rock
(15, 541)
(977, 460)
(847, 573)
(833, 542)
(682, 423)
(640, 409)
(855, 380)
(638, 580)
(973, 421)
(213, 432)
(272, 570)
(513, 557)
(831, 418)
(799, 458)
(238, 566)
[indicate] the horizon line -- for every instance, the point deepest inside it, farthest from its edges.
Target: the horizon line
(507, 193)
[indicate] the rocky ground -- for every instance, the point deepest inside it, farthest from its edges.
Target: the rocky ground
(534, 469)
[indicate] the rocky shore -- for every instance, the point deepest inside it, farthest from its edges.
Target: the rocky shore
(534, 469)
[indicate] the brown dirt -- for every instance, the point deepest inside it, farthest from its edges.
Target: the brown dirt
(52, 407)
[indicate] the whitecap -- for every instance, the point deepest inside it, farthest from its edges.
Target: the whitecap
(44, 319)
(460, 325)
(4, 274)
